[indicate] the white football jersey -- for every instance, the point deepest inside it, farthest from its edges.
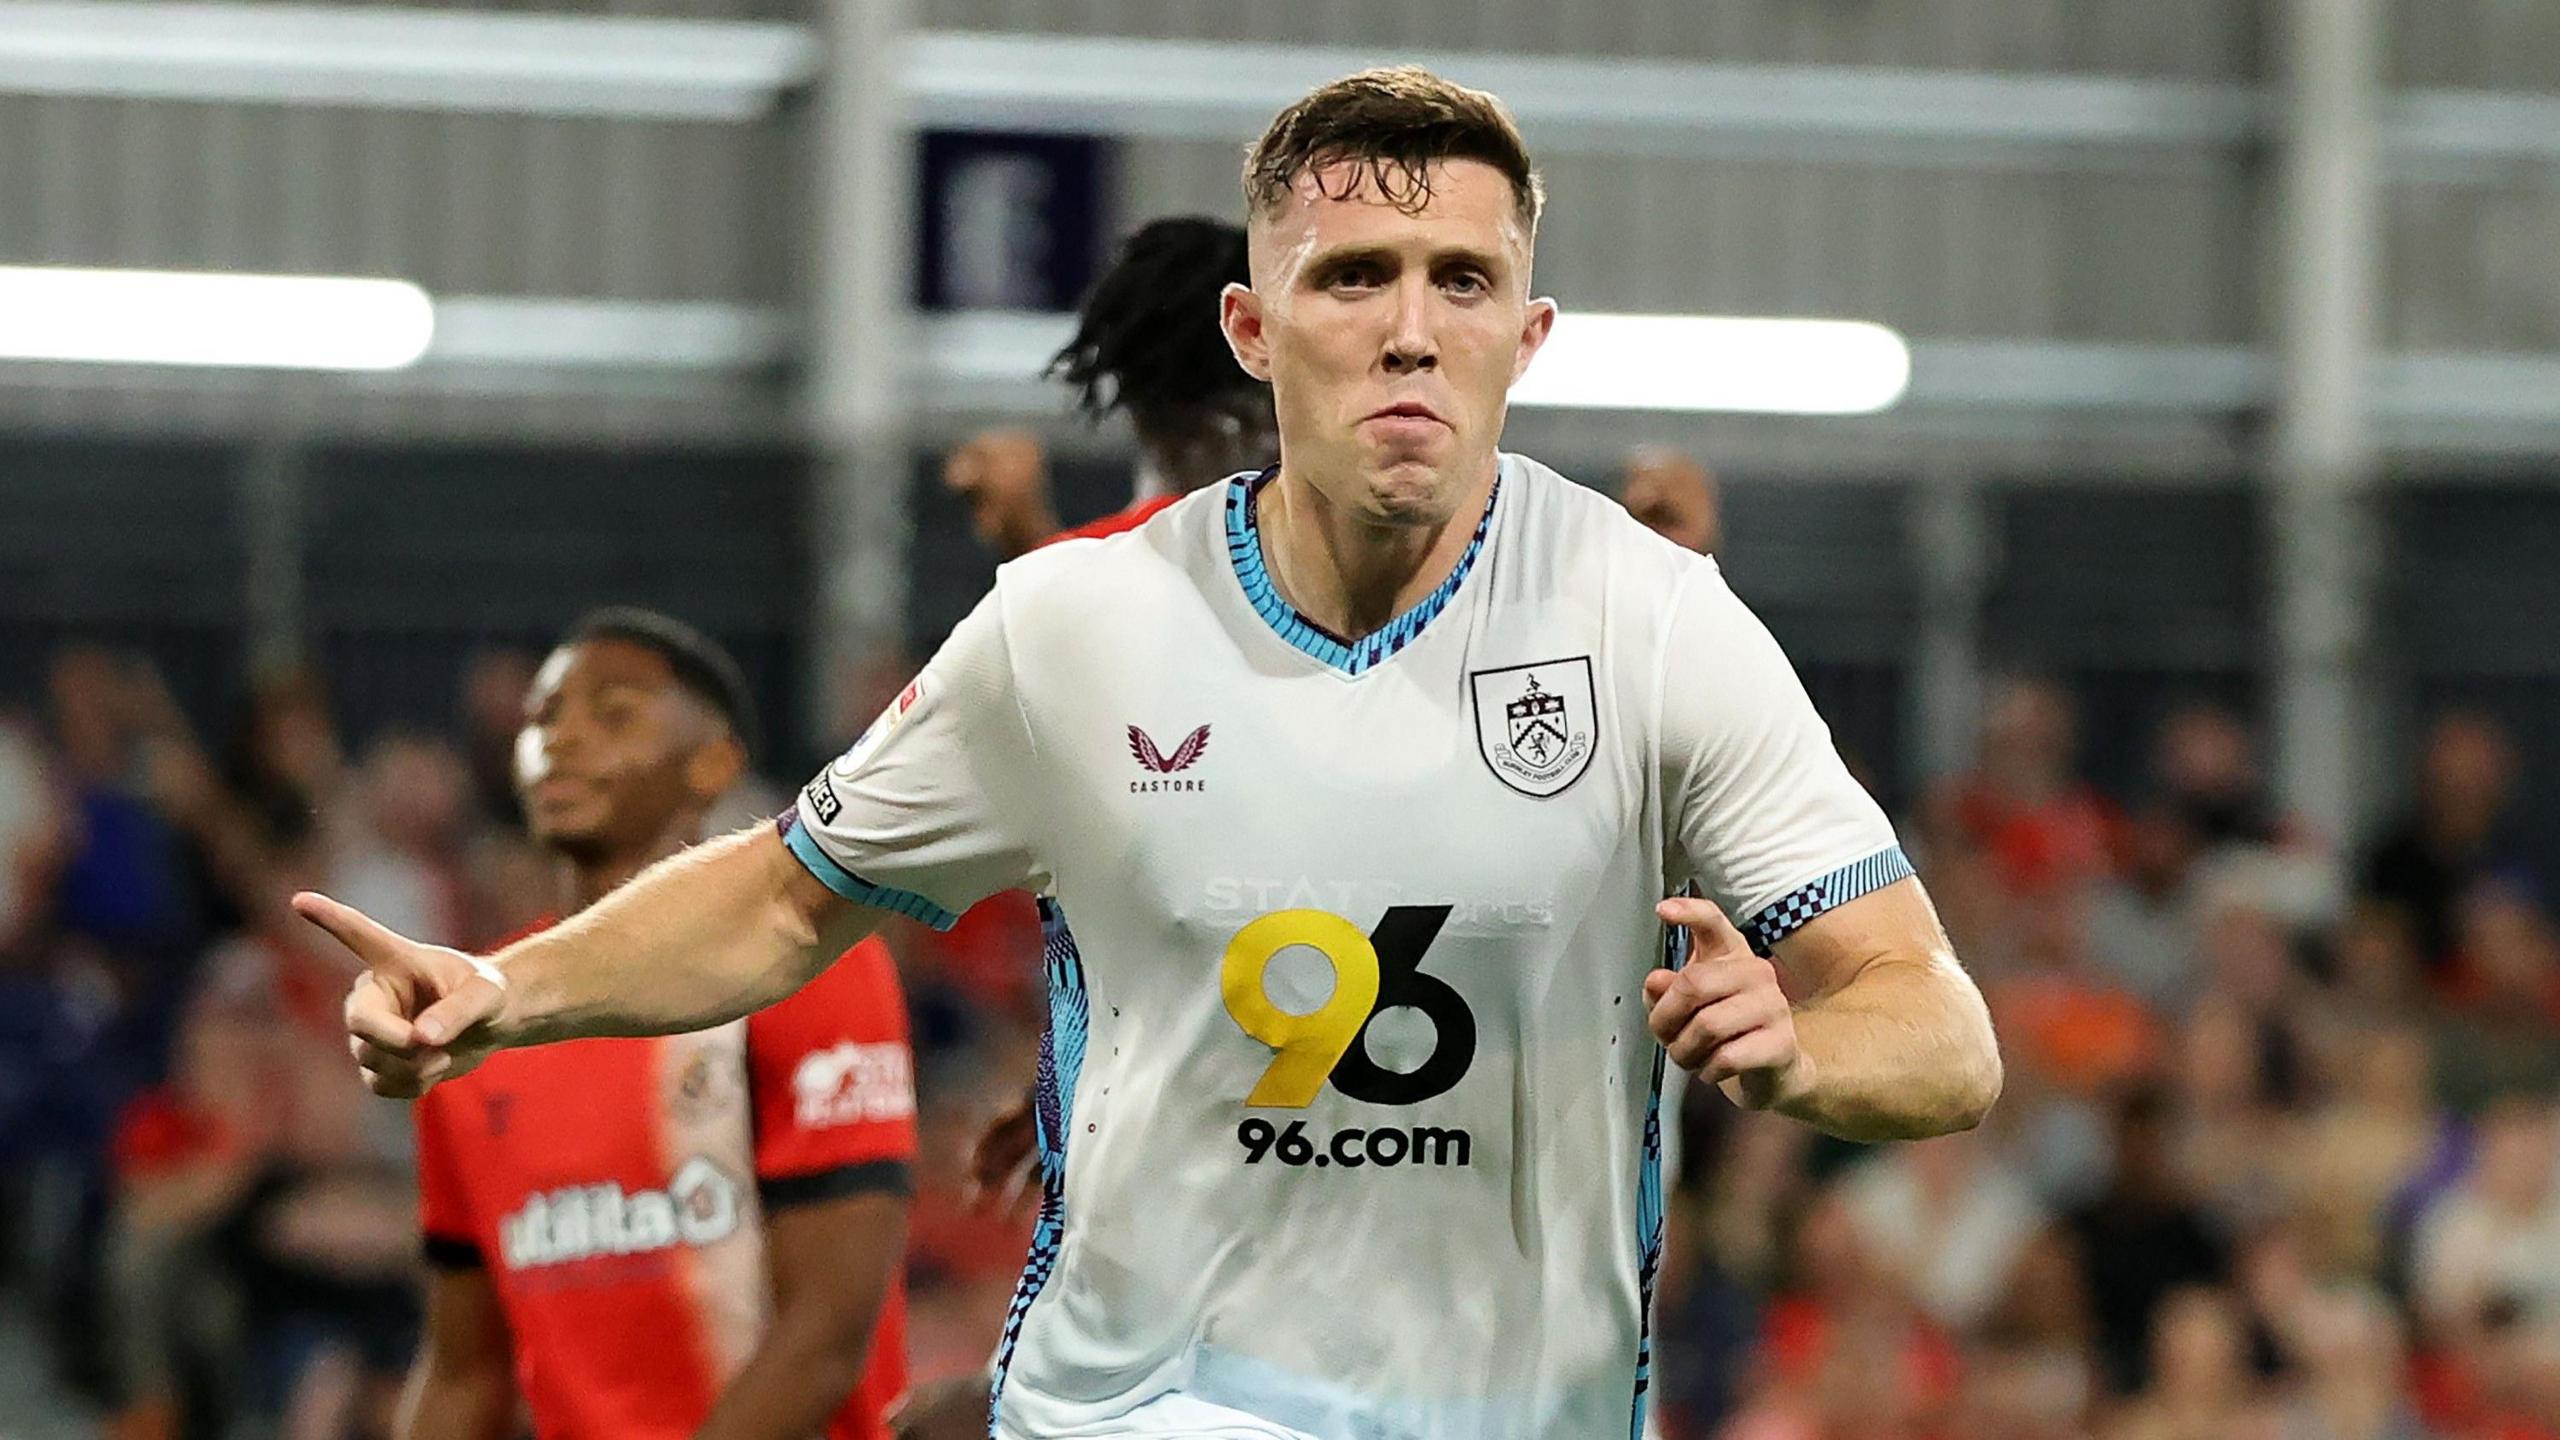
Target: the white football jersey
(1347, 1103)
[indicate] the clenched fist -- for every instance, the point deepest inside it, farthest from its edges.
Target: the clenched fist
(419, 1013)
(1722, 1014)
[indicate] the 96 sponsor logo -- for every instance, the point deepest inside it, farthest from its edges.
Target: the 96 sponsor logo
(1384, 1146)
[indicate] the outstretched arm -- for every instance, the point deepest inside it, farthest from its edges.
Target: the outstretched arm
(703, 937)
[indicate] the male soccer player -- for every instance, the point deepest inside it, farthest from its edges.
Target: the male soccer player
(1354, 790)
(698, 1235)
(1148, 343)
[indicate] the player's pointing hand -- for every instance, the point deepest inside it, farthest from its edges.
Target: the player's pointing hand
(419, 1013)
(1722, 1014)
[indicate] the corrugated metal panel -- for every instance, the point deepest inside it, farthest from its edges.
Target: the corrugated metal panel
(463, 204)
(2152, 256)
(460, 203)
(2470, 268)
(2475, 44)
(2190, 39)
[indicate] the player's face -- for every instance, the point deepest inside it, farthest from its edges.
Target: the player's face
(1390, 338)
(610, 756)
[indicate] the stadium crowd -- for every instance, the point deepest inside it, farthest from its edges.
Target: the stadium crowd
(2279, 1156)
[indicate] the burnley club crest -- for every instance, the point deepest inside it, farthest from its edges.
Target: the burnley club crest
(1536, 725)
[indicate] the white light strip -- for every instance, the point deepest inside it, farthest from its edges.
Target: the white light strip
(165, 317)
(1717, 363)
(660, 335)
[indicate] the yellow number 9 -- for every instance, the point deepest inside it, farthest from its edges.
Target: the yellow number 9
(1309, 1044)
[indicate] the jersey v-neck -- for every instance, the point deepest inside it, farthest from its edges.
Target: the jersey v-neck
(1351, 657)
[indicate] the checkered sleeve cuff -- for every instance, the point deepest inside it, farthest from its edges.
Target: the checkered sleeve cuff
(1793, 910)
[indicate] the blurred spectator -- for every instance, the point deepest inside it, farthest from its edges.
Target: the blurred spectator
(2450, 839)
(323, 1250)
(1844, 1354)
(2230, 1078)
(2023, 805)
(185, 1154)
(494, 683)
(1740, 1173)
(2059, 1016)
(2495, 1237)
(2355, 1372)
(2359, 1149)
(397, 854)
(2145, 1237)
(2374, 966)
(31, 837)
(2499, 1031)
(129, 881)
(2200, 1385)
(1949, 1220)
(2206, 764)
(2144, 932)
(284, 765)
(1676, 498)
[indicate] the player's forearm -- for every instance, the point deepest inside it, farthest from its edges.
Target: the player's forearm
(1901, 1052)
(698, 939)
(448, 1403)
(788, 1390)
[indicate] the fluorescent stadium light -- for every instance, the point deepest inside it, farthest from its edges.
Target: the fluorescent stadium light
(1709, 362)
(165, 317)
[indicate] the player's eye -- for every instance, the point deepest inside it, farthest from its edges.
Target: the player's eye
(1359, 275)
(1467, 282)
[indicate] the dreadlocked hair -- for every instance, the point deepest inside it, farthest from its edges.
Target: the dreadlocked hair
(1147, 338)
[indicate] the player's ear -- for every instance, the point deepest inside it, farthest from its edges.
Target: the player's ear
(1541, 323)
(714, 766)
(1240, 315)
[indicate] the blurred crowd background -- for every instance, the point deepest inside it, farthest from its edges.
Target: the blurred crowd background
(2192, 611)
(2279, 1155)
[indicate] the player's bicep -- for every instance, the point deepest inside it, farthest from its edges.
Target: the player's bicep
(836, 922)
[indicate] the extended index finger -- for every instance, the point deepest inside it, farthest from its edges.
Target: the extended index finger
(359, 932)
(1706, 923)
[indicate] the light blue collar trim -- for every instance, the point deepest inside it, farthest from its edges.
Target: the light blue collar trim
(1244, 548)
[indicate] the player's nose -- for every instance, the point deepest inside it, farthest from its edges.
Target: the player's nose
(1410, 342)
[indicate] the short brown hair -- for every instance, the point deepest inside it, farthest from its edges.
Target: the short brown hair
(1397, 120)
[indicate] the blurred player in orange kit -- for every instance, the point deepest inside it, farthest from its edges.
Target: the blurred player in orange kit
(1147, 342)
(695, 1235)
